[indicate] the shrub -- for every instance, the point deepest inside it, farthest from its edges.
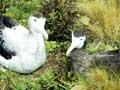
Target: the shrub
(61, 17)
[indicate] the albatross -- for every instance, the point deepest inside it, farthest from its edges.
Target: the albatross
(22, 50)
(80, 60)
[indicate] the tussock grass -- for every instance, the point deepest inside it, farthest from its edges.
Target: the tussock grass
(104, 19)
(102, 80)
(99, 79)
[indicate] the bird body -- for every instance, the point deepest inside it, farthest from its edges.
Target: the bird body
(29, 56)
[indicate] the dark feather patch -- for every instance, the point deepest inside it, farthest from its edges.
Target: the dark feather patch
(2, 26)
(6, 53)
(38, 15)
(8, 21)
(78, 33)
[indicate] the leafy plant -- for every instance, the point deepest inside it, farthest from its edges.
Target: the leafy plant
(51, 46)
(61, 16)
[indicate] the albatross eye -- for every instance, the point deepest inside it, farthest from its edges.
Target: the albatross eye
(35, 20)
(14, 28)
(81, 39)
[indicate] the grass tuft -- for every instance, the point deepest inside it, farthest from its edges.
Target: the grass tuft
(99, 79)
(104, 19)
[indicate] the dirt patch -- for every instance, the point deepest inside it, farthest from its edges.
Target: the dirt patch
(54, 61)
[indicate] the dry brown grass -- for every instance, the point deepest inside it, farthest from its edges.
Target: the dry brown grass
(105, 18)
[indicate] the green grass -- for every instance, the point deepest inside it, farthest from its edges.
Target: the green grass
(14, 81)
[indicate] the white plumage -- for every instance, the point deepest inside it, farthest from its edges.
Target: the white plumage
(28, 45)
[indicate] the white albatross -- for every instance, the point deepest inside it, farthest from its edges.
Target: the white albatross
(28, 46)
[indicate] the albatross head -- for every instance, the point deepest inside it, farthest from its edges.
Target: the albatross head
(78, 40)
(36, 24)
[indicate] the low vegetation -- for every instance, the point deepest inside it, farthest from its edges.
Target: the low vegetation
(100, 19)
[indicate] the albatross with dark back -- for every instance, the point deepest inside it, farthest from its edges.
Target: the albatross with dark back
(80, 60)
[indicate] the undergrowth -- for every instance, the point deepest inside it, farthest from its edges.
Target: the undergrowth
(96, 79)
(100, 17)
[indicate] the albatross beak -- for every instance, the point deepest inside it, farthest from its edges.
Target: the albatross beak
(76, 43)
(45, 34)
(42, 25)
(70, 49)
